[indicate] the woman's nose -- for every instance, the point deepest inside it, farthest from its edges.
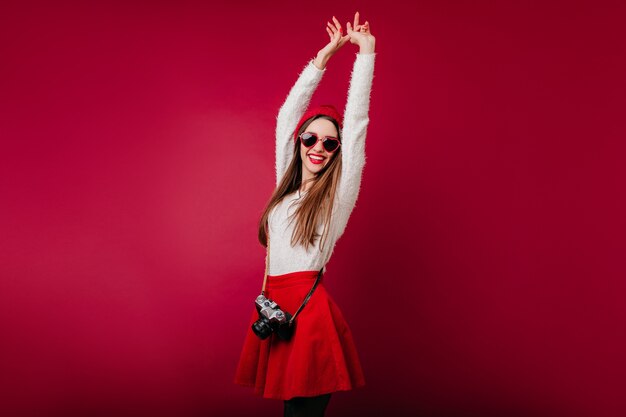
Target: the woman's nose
(319, 147)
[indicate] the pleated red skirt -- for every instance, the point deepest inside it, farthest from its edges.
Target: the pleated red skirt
(320, 357)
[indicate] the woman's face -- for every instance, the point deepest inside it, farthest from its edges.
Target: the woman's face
(315, 158)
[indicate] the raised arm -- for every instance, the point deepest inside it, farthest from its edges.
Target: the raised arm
(300, 95)
(290, 113)
(355, 123)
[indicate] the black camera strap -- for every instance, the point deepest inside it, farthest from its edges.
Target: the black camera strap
(306, 299)
(308, 296)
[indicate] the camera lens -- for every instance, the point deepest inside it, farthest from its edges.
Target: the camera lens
(261, 328)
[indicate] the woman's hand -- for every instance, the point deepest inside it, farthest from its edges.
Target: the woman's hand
(335, 32)
(361, 35)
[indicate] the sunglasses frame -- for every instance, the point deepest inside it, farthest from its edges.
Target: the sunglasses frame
(324, 139)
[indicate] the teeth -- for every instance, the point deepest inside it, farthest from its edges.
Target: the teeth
(319, 158)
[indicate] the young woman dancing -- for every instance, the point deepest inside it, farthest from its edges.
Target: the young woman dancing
(320, 157)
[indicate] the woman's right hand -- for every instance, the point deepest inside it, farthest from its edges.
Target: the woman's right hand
(335, 32)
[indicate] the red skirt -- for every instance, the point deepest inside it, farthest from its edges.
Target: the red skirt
(319, 358)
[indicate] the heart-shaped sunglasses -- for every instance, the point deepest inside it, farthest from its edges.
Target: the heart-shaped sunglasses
(309, 139)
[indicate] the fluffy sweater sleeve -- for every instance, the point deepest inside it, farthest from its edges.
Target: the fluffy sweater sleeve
(355, 123)
(290, 113)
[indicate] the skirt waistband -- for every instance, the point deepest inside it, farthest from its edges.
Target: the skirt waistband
(292, 278)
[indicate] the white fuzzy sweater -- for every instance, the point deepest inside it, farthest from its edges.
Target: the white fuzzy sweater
(285, 258)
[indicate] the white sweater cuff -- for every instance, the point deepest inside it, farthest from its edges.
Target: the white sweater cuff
(313, 68)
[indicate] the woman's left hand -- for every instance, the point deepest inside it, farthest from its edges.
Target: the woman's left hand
(361, 35)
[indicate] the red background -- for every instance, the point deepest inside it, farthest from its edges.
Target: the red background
(482, 271)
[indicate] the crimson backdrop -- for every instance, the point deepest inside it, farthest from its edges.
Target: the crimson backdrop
(482, 271)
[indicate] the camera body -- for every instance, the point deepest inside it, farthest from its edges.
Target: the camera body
(271, 319)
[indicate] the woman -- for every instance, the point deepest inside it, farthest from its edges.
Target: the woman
(320, 156)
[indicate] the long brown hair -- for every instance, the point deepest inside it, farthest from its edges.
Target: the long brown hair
(316, 206)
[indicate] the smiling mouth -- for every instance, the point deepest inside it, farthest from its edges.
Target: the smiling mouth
(316, 159)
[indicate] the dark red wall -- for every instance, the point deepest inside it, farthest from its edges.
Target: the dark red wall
(482, 271)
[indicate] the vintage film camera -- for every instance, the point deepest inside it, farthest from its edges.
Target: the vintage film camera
(271, 319)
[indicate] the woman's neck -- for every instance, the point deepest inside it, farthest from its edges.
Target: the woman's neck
(306, 184)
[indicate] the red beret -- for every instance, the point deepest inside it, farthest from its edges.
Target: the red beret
(325, 109)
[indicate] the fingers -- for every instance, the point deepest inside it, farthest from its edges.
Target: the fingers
(335, 30)
(356, 29)
(337, 24)
(332, 28)
(334, 34)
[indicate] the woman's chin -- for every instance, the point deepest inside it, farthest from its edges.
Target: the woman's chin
(314, 168)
